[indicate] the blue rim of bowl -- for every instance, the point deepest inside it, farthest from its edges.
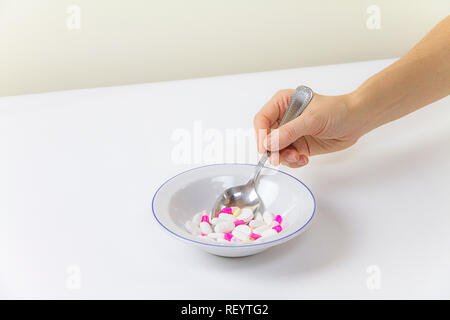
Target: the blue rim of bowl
(224, 245)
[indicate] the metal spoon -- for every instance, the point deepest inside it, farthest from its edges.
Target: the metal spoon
(245, 196)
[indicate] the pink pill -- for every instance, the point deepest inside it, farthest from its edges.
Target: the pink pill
(238, 222)
(203, 234)
(228, 236)
(205, 219)
(278, 218)
(226, 210)
(254, 236)
(277, 228)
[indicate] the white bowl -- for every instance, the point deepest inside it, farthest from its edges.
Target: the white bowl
(180, 197)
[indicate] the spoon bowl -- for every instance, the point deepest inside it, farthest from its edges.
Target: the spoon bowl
(243, 196)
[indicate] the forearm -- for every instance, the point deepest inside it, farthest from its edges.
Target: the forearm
(419, 78)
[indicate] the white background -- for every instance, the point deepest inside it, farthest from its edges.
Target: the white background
(78, 170)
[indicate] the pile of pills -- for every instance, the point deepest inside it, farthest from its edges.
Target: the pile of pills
(235, 225)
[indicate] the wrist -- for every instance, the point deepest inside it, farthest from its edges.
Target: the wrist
(367, 107)
(359, 113)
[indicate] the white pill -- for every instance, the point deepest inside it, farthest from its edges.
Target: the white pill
(261, 229)
(236, 211)
(268, 233)
(192, 228)
(246, 215)
(240, 235)
(215, 235)
(224, 226)
(256, 223)
(243, 228)
(222, 240)
(235, 240)
(227, 217)
(197, 218)
(205, 227)
(268, 217)
(273, 224)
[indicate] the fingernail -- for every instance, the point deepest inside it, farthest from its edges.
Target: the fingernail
(303, 160)
(291, 158)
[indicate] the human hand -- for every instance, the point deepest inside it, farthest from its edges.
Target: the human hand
(332, 123)
(328, 124)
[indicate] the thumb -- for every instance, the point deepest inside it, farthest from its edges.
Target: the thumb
(288, 133)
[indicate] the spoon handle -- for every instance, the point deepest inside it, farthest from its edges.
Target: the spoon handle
(300, 99)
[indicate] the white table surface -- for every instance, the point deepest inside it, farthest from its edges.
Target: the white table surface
(78, 170)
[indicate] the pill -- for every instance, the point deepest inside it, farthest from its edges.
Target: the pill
(277, 228)
(235, 225)
(244, 229)
(273, 224)
(261, 229)
(197, 218)
(228, 236)
(227, 217)
(215, 235)
(268, 217)
(224, 226)
(246, 215)
(192, 228)
(254, 236)
(256, 223)
(268, 233)
(239, 222)
(205, 227)
(236, 240)
(258, 216)
(240, 235)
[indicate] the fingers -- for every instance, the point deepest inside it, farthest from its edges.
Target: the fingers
(269, 115)
(289, 139)
(302, 162)
(287, 134)
(261, 123)
(292, 158)
(303, 146)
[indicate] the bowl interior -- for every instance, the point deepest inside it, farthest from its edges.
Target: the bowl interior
(195, 190)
